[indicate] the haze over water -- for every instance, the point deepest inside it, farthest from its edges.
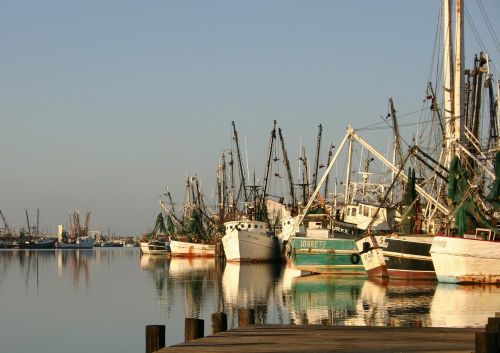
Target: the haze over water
(100, 300)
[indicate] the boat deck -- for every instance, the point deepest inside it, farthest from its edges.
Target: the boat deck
(318, 338)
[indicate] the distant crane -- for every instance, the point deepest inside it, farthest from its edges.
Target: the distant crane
(7, 229)
(37, 221)
(28, 221)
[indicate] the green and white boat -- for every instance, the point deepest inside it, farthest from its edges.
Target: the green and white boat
(317, 250)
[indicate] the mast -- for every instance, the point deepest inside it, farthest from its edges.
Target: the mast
(316, 165)
(37, 221)
(493, 130)
(233, 185)
(170, 200)
(288, 169)
(269, 156)
(348, 172)
(221, 186)
(459, 74)
(449, 82)
(330, 154)
(397, 156)
(305, 175)
(240, 163)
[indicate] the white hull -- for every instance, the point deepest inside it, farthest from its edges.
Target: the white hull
(248, 243)
(145, 247)
(186, 249)
(463, 260)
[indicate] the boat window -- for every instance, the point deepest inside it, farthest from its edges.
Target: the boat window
(255, 226)
(365, 211)
(353, 211)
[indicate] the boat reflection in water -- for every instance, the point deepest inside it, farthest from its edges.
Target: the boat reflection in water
(285, 295)
(75, 263)
(325, 299)
(464, 305)
(408, 302)
(253, 285)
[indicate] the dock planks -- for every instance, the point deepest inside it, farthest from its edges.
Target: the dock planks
(317, 338)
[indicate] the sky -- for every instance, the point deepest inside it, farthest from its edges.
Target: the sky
(104, 104)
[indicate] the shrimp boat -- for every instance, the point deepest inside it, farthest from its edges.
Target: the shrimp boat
(190, 249)
(78, 238)
(190, 236)
(248, 240)
(156, 242)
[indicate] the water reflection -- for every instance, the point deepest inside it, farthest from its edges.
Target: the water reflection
(460, 305)
(75, 263)
(250, 285)
(324, 299)
(179, 288)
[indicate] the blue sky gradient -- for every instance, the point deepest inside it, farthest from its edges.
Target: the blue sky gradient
(104, 103)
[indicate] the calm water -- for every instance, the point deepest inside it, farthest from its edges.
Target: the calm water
(100, 300)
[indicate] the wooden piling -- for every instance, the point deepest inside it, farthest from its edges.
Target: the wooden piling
(194, 329)
(219, 322)
(246, 317)
(489, 341)
(155, 338)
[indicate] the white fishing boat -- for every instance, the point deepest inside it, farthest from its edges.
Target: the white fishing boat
(247, 240)
(469, 259)
(189, 249)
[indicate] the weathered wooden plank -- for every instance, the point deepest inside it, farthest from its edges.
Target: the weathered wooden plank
(318, 338)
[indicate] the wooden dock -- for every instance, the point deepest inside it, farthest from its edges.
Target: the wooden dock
(318, 338)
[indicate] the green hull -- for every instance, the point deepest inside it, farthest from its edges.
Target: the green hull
(336, 256)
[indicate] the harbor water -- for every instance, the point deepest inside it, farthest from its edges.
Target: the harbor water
(100, 300)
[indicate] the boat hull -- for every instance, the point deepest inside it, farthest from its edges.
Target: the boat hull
(81, 244)
(244, 245)
(159, 247)
(332, 256)
(463, 260)
(372, 257)
(409, 258)
(145, 247)
(42, 244)
(187, 249)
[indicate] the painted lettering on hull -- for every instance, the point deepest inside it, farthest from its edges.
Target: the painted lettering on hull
(313, 244)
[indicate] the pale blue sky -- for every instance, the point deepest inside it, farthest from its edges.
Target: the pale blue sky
(104, 103)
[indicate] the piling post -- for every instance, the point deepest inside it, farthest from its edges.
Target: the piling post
(489, 341)
(194, 329)
(155, 338)
(246, 317)
(219, 322)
